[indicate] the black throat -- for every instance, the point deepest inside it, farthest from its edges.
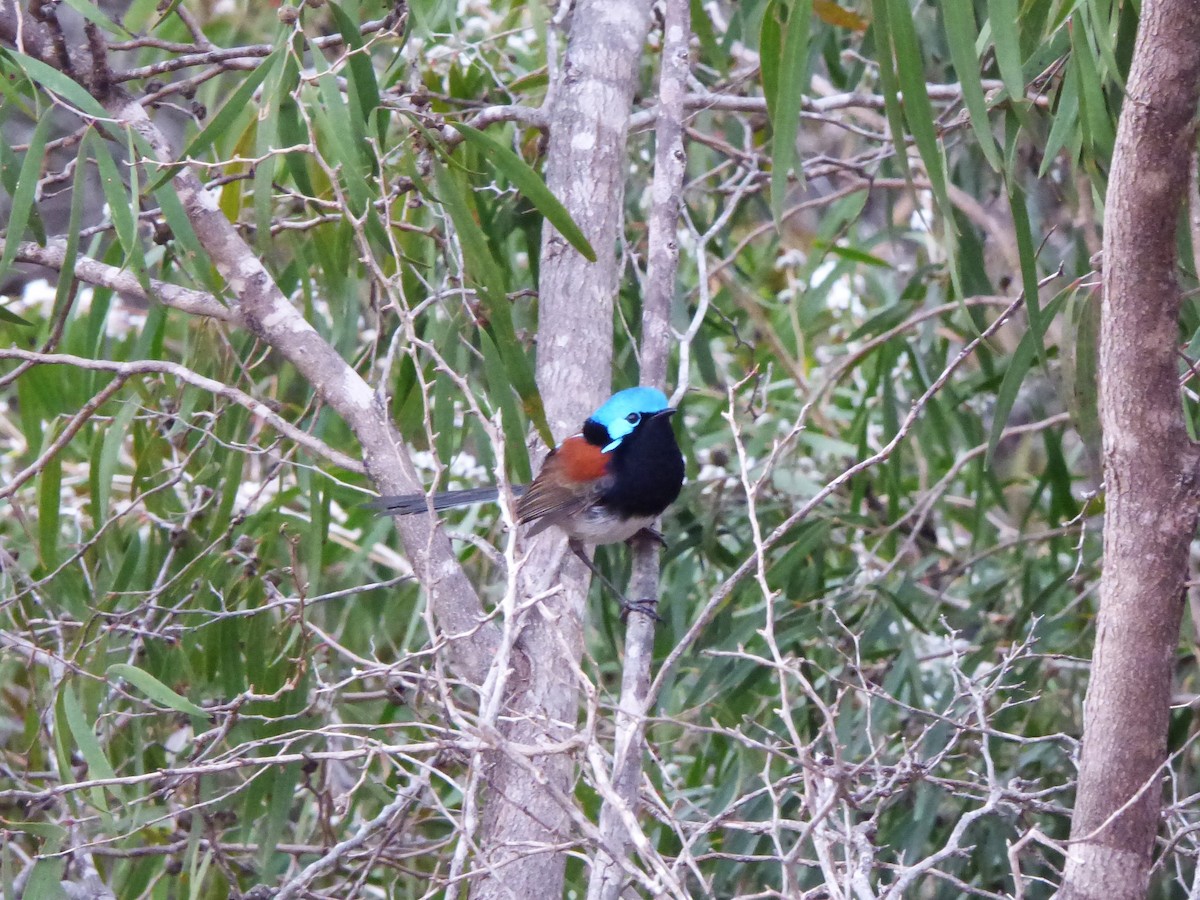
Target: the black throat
(647, 467)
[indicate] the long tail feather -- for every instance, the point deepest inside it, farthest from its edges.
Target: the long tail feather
(410, 504)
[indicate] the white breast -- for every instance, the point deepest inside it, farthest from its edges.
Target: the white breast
(599, 526)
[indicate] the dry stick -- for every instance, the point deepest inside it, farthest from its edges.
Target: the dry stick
(224, 54)
(297, 886)
(88, 270)
(125, 370)
(227, 765)
(77, 421)
(618, 822)
(726, 588)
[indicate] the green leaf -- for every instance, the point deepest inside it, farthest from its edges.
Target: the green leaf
(918, 112)
(49, 500)
(105, 459)
(792, 83)
(154, 689)
(852, 253)
(1065, 120)
(79, 193)
(703, 29)
(1096, 120)
(121, 205)
(483, 270)
(188, 253)
(363, 85)
(85, 739)
(962, 36)
(770, 52)
(344, 136)
(1028, 256)
(498, 389)
(54, 80)
(219, 124)
(266, 138)
(23, 198)
(531, 186)
(881, 30)
(13, 318)
(1004, 19)
(1081, 365)
(1020, 363)
(90, 12)
(45, 881)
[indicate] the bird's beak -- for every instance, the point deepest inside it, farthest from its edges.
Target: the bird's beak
(669, 411)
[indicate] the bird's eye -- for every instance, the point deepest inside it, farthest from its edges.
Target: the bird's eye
(633, 418)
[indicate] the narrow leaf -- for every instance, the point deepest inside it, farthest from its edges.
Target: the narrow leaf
(1028, 257)
(792, 84)
(889, 84)
(918, 111)
(1018, 366)
(770, 52)
(962, 36)
(1065, 120)
(154, 689)
(219, 124)
(13, 318)
(85, 740)
(483, 270)
(54, 80)
(362, 74)
(93, 14)
(121, 206)
(531, 186)
(49, 500)
(23, 198)
(1006, 38)
(1096, 120)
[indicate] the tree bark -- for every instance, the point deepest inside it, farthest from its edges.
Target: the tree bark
(1150, 467)
(526, 820)
(629, 743)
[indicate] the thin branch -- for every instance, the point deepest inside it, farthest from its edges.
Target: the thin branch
(125, 370)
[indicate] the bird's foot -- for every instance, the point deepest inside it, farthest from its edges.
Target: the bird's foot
(648, 535)
(647, 607)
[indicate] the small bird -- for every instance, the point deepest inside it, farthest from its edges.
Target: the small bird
(600, 486)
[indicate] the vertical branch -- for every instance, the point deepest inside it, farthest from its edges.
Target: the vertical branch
(586, 166)
(670, 162)
(1149, 462)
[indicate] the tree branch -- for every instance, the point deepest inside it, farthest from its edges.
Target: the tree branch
(1150, 466)
(670, 163)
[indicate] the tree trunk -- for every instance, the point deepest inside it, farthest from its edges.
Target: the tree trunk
(526, 819)
(1149, 467)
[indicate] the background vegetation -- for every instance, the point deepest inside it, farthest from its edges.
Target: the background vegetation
(879, 585)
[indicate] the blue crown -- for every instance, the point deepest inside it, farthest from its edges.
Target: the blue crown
(622, 411)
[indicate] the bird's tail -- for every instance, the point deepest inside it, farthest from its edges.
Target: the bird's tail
(410, 504)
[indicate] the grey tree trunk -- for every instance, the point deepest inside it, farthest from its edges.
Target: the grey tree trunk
(527, 825)
(1149, 462)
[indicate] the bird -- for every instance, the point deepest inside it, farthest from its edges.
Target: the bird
(603, 485)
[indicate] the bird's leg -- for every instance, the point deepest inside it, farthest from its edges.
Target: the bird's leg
(647, 534)
(646, 607)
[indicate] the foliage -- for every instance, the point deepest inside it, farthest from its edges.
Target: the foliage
(215, 664)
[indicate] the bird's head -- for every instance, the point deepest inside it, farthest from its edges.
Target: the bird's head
(622, 414)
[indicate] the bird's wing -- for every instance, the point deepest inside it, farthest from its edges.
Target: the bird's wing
(574, 477)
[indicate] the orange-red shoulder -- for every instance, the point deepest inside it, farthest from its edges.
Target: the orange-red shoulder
(580, 460)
